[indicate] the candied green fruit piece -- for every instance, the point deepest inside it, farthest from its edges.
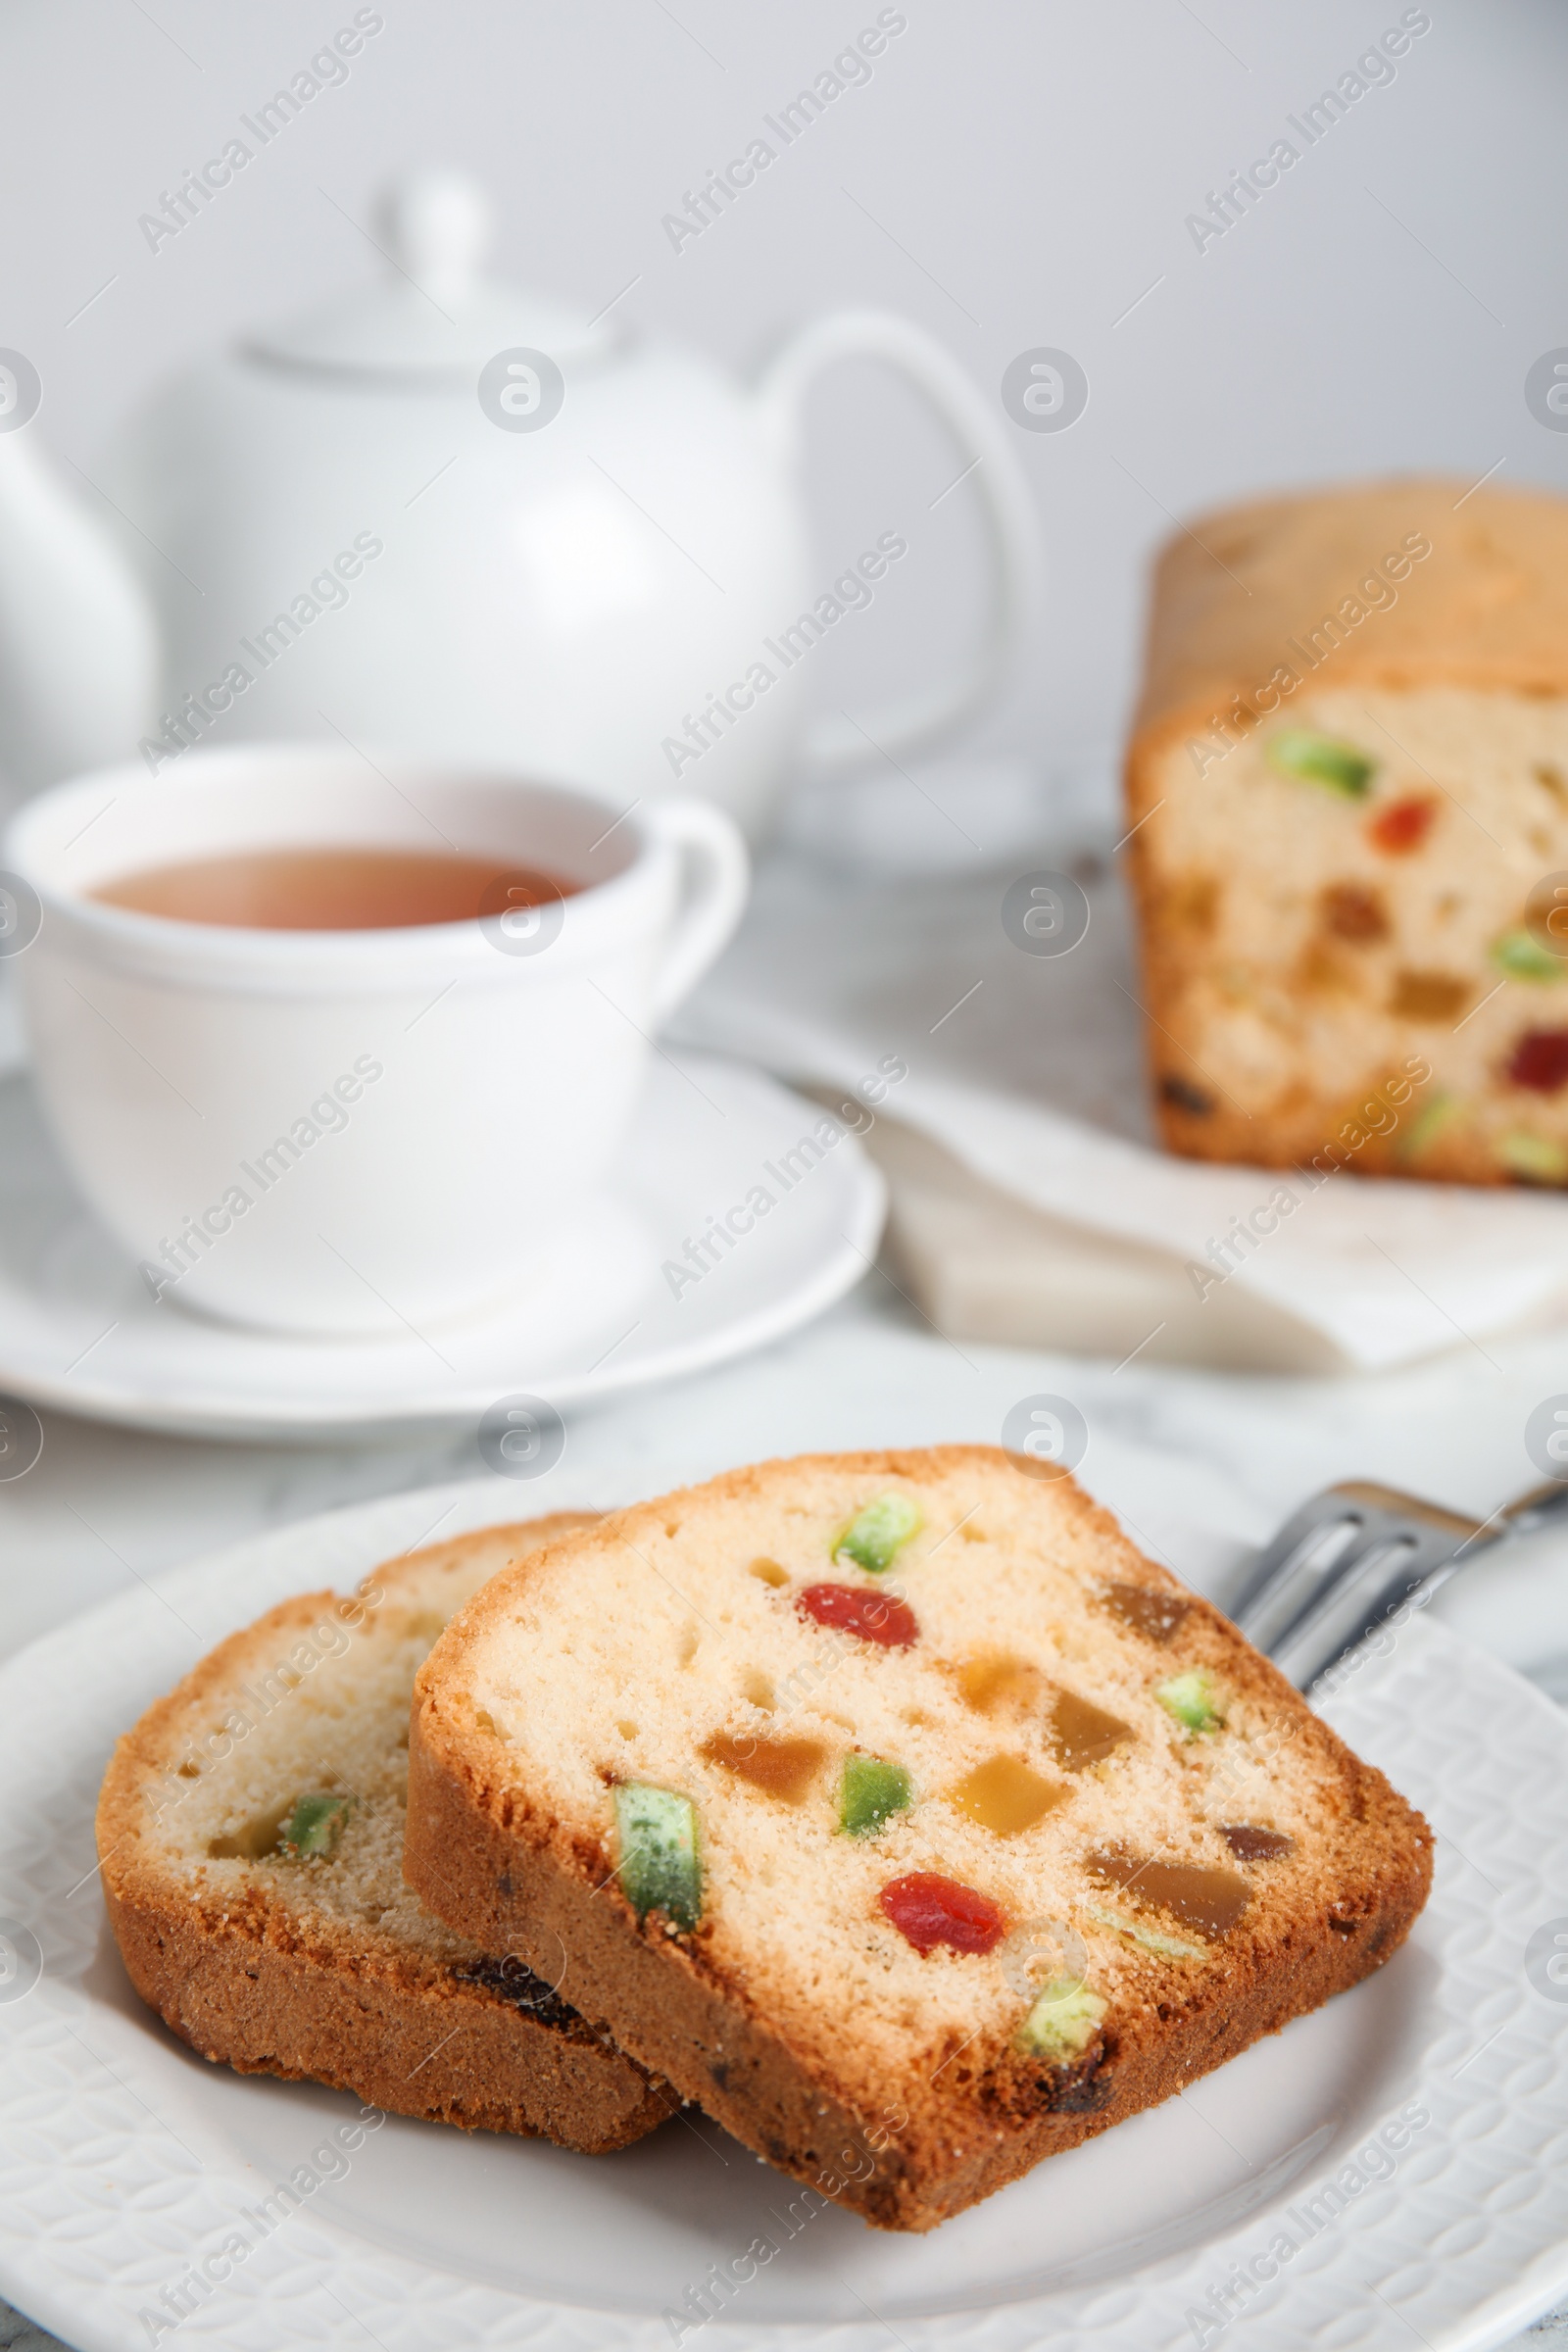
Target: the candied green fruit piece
(1533, 1156)
(314, 1826)
(1520, 954)
(1320, 760)
(1428, 1124)
(870, 1792)
(1190, 1698)
(877, 1533)
(1168, 1948)
(1063, 2021)
(660, 1868)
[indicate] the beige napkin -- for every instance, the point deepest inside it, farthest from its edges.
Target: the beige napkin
(981, 1264)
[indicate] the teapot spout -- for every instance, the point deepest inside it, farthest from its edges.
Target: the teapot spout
(79, 640)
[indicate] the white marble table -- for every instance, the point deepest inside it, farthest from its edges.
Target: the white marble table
(104, 1508)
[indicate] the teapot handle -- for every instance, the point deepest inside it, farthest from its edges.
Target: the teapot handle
(833, 743)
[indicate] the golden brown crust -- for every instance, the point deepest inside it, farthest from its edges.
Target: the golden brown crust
(909, 2153)
(1487, 607)
(248, 1983)
(1237, 595)
(445, 2052)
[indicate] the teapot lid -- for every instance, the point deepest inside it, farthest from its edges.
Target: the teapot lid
(434, 316)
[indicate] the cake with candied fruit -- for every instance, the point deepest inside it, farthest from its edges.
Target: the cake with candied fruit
(895, 1809)
(250, 1828)
(1349, 784)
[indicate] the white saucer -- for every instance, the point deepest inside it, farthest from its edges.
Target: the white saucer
(126, 2161)
(79, 1331)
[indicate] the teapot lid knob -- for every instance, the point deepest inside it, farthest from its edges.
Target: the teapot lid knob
(435, 318)
(438, 225)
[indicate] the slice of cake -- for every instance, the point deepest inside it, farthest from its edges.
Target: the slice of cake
(250, 1830)
(900, 1812)
(1349, 784)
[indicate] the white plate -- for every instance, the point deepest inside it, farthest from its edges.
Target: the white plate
(123, 2159)
(80, 1330)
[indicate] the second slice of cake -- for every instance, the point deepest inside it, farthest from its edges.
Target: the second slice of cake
(250, 1830)
(899, 1811)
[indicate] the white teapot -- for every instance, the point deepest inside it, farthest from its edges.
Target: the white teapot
(444, 517)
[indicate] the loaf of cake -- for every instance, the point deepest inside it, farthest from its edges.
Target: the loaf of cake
(900, 1812)
(1347, 785)
(251, 1835)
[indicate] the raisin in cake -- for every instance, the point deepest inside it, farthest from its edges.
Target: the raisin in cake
(1349, 782)
(900, 1812)
(251, 1835)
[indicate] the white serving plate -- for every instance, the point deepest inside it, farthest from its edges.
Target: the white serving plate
(124, 2159)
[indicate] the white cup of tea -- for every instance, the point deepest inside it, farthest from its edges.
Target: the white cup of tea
(353, 1125)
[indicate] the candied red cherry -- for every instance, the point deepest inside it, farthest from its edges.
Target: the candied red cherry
(928, 1910)
(1403, 826)
(1541, 1061)
(862, 1610)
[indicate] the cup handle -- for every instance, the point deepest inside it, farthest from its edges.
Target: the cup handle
(832, 744)
(718, 878)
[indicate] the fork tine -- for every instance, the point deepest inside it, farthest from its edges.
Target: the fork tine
(1289, 1573)
(1338, 1567)
(1374, 1577)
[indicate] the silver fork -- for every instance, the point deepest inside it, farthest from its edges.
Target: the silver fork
(1353, 1555)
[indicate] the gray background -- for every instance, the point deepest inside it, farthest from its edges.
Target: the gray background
(1014, 174)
